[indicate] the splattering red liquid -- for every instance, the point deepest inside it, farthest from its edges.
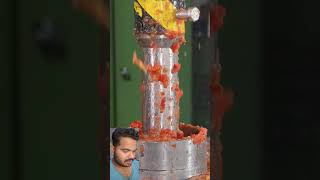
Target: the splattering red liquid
(197, 133)
(155, 74)
(200, 137)
(163, 136)
(176, 68)
(168, 133)
(162, 104)
(172, 34)
(136, 124)
(175, 47)
(163, 78)
(179, 92)
(182, 40)
(180, 134)
(159, 135)
(154, 71)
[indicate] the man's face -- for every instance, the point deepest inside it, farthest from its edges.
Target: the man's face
(124, 153)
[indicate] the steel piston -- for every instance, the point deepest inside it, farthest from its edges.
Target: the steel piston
(155, 91)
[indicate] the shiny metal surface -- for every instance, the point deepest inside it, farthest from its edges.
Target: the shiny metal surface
(172, 160)
(155, 41)
(191, 14)
(154, 91)
(169, 175)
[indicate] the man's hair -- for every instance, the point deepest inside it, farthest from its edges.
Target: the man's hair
(124, 132)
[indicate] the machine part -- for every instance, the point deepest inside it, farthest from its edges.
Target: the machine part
(160, 105)
(124, 72)
(157, 17)
(172, 155)
(191, 14)
(172, 160)
(179, 159)
(155, 41)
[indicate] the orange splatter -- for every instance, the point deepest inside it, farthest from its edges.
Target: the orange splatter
(179, 92)
(180, 134)
(164, 135)
(153, 132)
(168, 133)
(154, 71)
(162, 105)
(172, 34)
(136, 124)
(182, 40)
(197, 133)
(138, 62)
(160, 135)
(176, 68)
(174, 145)
(163, 78)
(175, 47)
(200, 137)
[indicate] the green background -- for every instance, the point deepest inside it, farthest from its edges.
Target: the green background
(49, 106)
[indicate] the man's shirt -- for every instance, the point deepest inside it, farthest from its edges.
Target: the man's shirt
(115, 175)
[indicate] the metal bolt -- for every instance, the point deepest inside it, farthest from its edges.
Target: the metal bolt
(124, 72)
(191, 14)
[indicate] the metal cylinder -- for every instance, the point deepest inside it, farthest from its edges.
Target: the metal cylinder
(160, 106)
(176, 160)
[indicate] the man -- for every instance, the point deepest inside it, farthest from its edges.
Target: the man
(123, 165)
